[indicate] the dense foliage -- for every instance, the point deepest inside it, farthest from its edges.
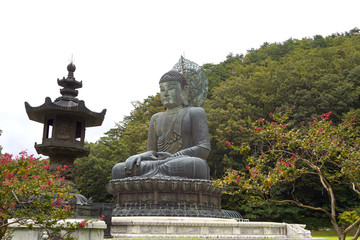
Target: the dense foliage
(31, 195)
(284, 155)
(317, 75)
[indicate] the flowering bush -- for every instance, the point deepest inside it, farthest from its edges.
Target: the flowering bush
(30, 194)
(285, 154)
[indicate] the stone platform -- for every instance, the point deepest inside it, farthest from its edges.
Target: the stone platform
(93, 231)
(187, 227)
(165, 196)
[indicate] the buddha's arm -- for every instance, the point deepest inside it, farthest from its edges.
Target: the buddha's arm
(152, 138)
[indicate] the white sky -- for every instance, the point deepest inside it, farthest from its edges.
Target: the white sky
(121, 48)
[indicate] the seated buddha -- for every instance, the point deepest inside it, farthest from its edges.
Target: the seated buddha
(178, 139)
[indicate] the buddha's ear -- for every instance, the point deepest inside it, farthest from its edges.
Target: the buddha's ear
(184, 95)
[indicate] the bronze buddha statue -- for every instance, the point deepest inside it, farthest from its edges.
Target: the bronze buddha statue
(178, 140)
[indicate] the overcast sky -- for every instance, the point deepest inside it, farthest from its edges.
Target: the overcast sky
(122, 48)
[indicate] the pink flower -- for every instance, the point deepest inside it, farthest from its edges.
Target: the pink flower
(10, 175)
(238, 178)
(328, 115)
(228, 143)
(58, 168)
(83, 224)
(65, 166)
(36, 176)
(248, 168)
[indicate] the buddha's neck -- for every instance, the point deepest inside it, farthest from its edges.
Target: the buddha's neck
(174, 110)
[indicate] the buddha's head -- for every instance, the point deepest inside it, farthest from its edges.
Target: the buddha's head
(173, 90)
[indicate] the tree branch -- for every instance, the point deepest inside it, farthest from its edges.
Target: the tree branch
(354, 188)
(16, 197)
(4, 225)
(357, 234)
(328, 188)
(352, 226)
(302, 205)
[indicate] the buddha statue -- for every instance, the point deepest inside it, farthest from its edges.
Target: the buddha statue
(178, 139)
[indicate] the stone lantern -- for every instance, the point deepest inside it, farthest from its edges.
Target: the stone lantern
(65, 121)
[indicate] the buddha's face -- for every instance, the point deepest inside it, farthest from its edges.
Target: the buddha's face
(171, 94)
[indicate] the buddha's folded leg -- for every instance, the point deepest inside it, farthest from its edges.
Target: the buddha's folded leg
(181, 166)
(118, 171)
(184, 166)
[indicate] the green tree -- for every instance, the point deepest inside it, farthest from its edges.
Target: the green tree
(219, 73)
(127, 138)
(28, 191)
(284, 156)
(316, 74)
(95, 174)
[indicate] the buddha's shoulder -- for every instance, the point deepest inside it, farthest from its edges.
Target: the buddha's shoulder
(196, 111)
(156, 116)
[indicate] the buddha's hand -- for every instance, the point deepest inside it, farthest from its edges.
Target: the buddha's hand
(136, 159)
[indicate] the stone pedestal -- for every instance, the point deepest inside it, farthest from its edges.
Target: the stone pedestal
(168, 196)
(217, 228)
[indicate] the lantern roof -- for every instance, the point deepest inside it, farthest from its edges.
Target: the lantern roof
(67, 103)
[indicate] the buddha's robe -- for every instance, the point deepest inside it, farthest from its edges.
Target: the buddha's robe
(184, 134)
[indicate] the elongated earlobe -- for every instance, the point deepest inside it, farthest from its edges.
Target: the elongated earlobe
(184, 95)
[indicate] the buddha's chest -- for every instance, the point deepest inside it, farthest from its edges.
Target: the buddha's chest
(179, 124)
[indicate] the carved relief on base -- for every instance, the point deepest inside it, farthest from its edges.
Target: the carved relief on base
(167, 196)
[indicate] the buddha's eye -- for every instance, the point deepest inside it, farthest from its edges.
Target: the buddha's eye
(172, 86)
